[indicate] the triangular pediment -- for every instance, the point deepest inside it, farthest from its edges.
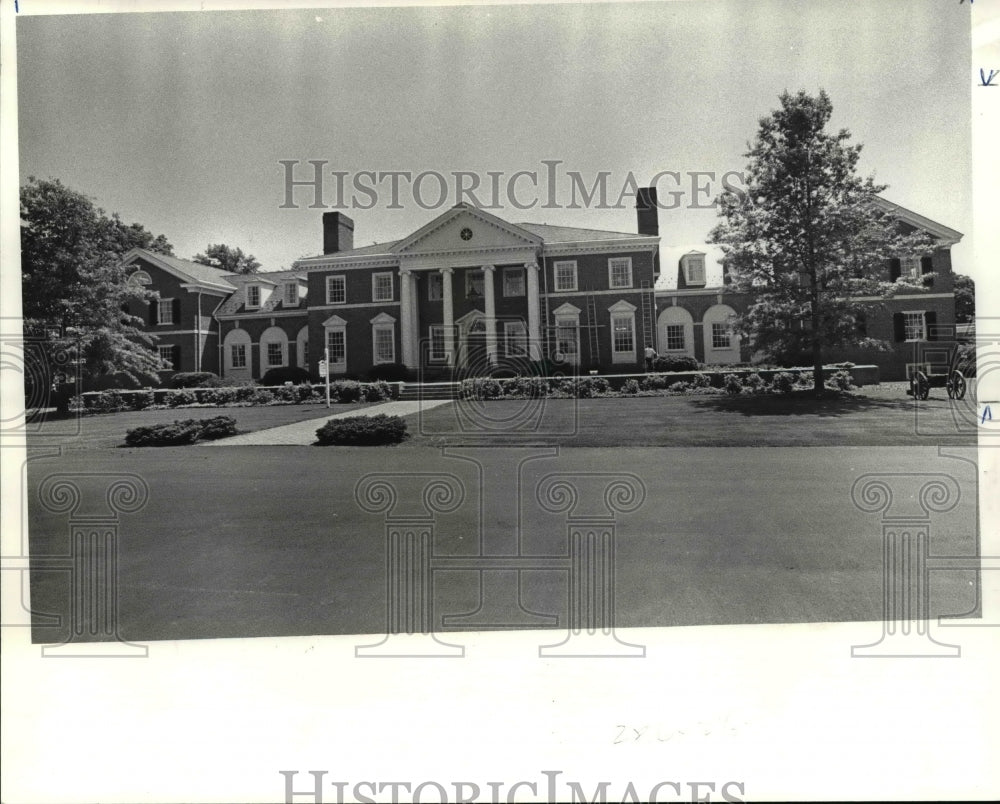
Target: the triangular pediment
(466, 228)
(335, 321)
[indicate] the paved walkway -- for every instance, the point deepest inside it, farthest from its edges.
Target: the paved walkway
(304, 433)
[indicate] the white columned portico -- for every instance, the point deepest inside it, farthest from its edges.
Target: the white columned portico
(491, 315)
(449, 315)
(534, 335)
(406, 316)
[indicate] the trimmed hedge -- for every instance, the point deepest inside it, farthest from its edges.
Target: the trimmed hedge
(194, 379)
(283, 374)
(181, 432)
(366, 431)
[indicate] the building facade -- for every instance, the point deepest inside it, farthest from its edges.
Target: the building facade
(471, 294)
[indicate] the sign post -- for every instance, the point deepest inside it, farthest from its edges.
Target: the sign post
(324, 372)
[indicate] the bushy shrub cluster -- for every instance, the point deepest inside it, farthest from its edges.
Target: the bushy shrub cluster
(195, 379)
(283, 374)
(181, 432)
(840, 381)
(364, 431)
(630, 387)
(675, 363)
(783, 382)
(733, 385)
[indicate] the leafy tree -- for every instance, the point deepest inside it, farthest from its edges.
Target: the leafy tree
(807, 235)
(229, 259)
(73, 285)
(965, 299)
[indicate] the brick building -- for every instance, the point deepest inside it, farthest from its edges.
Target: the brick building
(470, 293)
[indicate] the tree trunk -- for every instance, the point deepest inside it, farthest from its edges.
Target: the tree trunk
(818, 385)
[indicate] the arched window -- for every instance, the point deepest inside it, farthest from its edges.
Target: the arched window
(302, 348)
(722, 342)
(273, 349)
(675, 328)
(236, 354)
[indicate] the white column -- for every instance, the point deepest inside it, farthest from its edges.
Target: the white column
(449, 315)
(534, 334)
(415, 320)
(491, 315)
(406, 317)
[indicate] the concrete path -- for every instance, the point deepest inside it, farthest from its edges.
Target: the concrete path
(304, 433)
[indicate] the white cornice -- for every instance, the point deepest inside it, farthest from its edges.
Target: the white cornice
(262, 314)
(649, 244)
(442, 220)
(945, 234)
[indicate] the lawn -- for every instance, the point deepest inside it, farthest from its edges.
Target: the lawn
(877, 416)
(275, 543)
(107, 430)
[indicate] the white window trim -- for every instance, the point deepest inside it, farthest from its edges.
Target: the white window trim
(910, 267)
(170, 359)
(392, 291)
(698, 259)
(267, 356)
(232, 363)
(329, 288)
(260, 296)
(342, 328)
(611, 281)
(524, 282)
(383, 327)
(431, 357)
(666, 337)
(729, 336)
(555, 275)
(515, 330)
(923, 325)
(291, 289)
(159, 313)
(623, 356)
(470, 275)
(140, 277)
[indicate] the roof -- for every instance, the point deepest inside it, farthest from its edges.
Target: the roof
(363, 251)
(573, 234)
(194, 271)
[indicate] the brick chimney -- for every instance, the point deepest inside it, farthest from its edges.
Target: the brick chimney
(647, 212)
(338, 232)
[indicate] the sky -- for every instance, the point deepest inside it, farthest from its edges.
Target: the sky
(179, 120)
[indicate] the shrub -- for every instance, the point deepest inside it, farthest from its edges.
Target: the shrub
(194, 379)
(304, 392)
(655, 382)
(283, 374)
(754, 383)
(481, 388)
(733, 385)
(181, 432)
(675, 363)
(804, 379)
(110, 401)
(840, 381)
(141, 400)
(261, 396)
(390, 372)
(527, 388)
(700, 381)
(178, 398)
(376, 391)
(285, 393)
(783, 382)
(345, 391)
(362, 431)
(221, 396)
(630, 387)
(216, 427)
(678, 387)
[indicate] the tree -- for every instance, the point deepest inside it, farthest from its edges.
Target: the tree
(807, 235)
(965, 299)
(228, 259)
(74, 287)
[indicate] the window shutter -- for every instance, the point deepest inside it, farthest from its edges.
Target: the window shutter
(930, 322)
(177, 358)
(898, 328)
(154, 313)
(895, 269)
(177, 311)
(926, 267)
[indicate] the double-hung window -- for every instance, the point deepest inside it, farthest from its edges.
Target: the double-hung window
(565, 275)
(620, 272)
(336, 289)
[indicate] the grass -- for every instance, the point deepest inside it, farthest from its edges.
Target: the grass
(106, 431)
(878, 416)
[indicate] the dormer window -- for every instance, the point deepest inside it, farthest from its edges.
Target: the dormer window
(291, 294)
(694, 269)
(253, 297)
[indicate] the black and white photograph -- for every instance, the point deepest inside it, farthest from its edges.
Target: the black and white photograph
(561, 401)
